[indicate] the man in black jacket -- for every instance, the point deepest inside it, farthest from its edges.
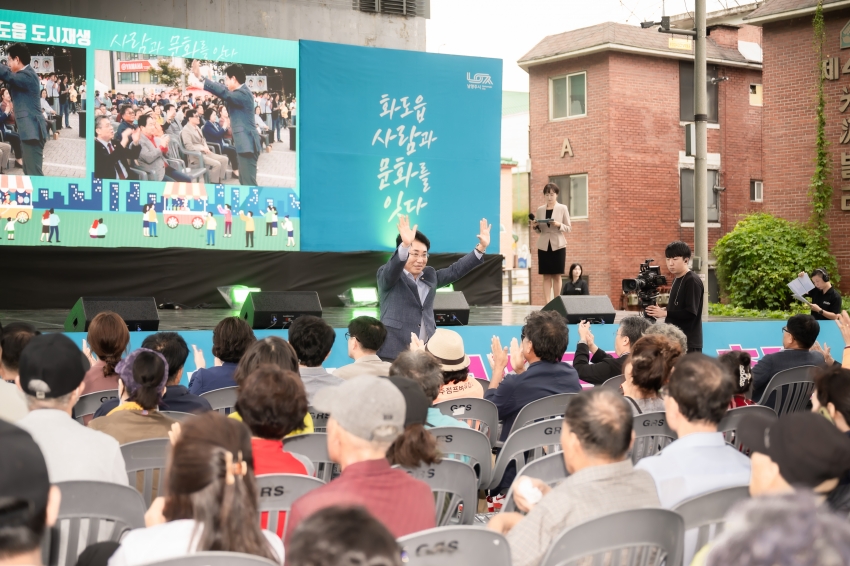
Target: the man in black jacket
(798, 336)
(110, 158)
(603, 366)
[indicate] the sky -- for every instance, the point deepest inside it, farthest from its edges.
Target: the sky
(508, 29)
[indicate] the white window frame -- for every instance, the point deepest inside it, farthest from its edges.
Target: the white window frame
(587, 195)
(758, 188)
(567, 83)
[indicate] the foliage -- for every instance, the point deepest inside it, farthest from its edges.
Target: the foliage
(716, 309)
(167, 75)
(757, 259)
(820, 188)
(519, 216)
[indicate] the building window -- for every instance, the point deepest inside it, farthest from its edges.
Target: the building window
(573, 193)
(686, 92)
(686, 183)
(756, 191)
(128, 78)
(756, 96)
(568, 96)
(395, 7)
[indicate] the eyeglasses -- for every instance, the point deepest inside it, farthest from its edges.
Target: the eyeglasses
(419, 256)
(785, 329)
(347, 335)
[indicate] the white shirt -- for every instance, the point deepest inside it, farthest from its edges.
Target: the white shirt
(13, 405)
(72, 451)
(694, 465)
(168, 540)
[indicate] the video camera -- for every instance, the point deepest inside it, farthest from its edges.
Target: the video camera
(646, 285)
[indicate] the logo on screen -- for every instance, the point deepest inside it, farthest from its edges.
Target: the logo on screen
(480, 81)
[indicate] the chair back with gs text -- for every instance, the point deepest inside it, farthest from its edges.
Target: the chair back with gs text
(652, 434)
(320, 420)
(88, 404)
(789, 391)
(455, 546)
(550, 407)
(549, 469)
(468, 446)
(277, 494)
(525, 445)
(222, 400)
(480, 414)
(453, 484)
(144, 461)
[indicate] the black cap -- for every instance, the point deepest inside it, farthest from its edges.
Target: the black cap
(51, 365)
(808, 449)
(414, 399)
(24, 483)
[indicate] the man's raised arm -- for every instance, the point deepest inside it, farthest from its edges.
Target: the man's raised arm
(470, 261)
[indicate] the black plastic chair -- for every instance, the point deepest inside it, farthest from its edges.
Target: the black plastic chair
(789, 390)
(729, 425)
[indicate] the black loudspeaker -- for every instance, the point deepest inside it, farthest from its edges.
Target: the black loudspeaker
(266, 310)
(451, 309)
(138, 312)
(575, 308)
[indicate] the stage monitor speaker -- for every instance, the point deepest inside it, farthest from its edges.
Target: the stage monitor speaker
(451, 309)
(138, 312)
(575, 308)
(264, 310)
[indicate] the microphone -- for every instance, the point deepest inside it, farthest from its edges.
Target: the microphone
(531, 216)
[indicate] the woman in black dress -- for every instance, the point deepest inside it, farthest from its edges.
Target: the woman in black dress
(552, 223)
(575, 285)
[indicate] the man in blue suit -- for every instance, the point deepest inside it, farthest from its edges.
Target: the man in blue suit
(240, 104)
(25, 88)
(406, 287)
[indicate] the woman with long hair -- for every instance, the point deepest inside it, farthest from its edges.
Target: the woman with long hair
(210, 501)
(107, 338)
(647, 370)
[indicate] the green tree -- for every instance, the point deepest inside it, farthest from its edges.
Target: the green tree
(167, 75)
(820, 188)
(757, 259)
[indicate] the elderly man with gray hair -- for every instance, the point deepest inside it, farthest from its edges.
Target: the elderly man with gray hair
(670, 332)
(366, 415)
(602, 366)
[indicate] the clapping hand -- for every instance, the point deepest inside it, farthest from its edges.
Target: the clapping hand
(200, 362)
(484, 233)
(87, 352)
(498, 356)
(825, 350)
(517, 357)
(407, 233)
(415, 343)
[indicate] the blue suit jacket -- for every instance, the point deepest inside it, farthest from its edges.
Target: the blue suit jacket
(25, 88)
(401, 309)
(210, 379)
(240, 105)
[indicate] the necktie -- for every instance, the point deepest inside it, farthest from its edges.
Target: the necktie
(119, 167)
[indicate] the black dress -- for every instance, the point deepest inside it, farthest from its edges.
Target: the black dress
(551, 262)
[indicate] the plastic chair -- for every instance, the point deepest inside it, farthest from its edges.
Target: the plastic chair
(729, 425)
(176, 150)
(216, 558)
(222, 400)
(547, 408)
(652, 434)
(455, 546)
(453, 484)
(614, 382)
(649, 537)
(790, 389)
(177, 415)
(469, 446)
(705, 516)
(550, 469)
(279, 491)
(480, 414)
(526, 444)
(315, 447)
(146, 457)
(320, 420)
(91, 512)
(88, 404)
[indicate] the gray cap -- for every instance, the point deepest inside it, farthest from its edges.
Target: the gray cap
(368, 407)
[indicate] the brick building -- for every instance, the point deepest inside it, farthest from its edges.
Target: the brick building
(608, 110)
(790, 79)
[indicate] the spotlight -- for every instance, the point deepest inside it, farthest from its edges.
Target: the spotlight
(360, 297)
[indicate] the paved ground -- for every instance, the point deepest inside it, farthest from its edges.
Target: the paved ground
(65, 157)
(275, 168)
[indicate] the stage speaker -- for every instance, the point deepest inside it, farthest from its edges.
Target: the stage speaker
(138, 312)
(266, 310)
(575, 308)
(451, 309)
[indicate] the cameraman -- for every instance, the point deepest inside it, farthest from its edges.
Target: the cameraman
(684, 308)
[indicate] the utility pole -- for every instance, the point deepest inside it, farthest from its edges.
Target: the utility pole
(700, 159)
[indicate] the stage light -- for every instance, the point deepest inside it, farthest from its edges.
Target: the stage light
(360, 297)
(447, 289)
(374, 313)
(235, 295)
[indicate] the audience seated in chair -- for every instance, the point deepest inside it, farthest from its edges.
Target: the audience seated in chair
(699, 461)
(339, 536)
(673, 333)
(107, 338)
(365, 336)
(312, 338)
(13, 339)
(231, 338)
(646, 371)
(51, 375)
(447, 346)
(29, 505)
(142, 382)
(798, 336)
(415, 446)
(597, 366)
(738, 364)
(211, 502)
(176, 397)
(595, 435)
(424, 369)
(545, 338)
(366, 416)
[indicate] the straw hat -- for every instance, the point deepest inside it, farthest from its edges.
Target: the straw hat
(447, 347)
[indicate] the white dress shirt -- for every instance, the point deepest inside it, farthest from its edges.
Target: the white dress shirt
(72, 451)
